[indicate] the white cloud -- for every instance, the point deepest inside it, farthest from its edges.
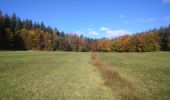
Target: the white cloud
(166, 1)
(146, 20)
(104, 29)
(121, 16)
(104, 32)
(110, 33)
(116, 33)
(167, 18)
(93, 33)
(78, 32)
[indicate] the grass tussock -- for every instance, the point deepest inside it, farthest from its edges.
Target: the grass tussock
(121, 87)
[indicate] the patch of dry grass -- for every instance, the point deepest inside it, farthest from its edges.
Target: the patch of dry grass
(120, 86)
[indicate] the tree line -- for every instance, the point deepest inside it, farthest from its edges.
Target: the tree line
(17, 34)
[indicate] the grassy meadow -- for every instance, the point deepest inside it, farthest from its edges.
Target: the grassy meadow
(35, 75)
(50, 75)
(148, 73)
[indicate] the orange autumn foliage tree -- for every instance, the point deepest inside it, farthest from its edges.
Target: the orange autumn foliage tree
(104, 45)
(144, 42)
(149, 41)
(123, 44)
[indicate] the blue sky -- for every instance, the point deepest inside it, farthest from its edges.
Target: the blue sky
(93, 18)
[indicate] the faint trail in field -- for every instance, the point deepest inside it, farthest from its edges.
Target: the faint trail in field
(120, 86)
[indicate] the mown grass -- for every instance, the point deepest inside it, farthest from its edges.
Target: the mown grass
(69, 76)
(121, 87)
(148, 73)
(50, 76)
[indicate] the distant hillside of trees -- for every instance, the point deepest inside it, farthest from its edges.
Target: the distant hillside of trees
(17, 34)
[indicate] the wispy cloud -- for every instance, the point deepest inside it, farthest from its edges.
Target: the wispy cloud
(93, 33)
(121, 16)
(146, 20)
(167, 18)
(166, 1)
(110, 33)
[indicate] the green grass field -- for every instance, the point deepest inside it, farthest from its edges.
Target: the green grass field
(149, 72)
(50, 75)
(35, 75)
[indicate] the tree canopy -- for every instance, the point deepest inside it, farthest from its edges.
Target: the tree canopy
(17, 34)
